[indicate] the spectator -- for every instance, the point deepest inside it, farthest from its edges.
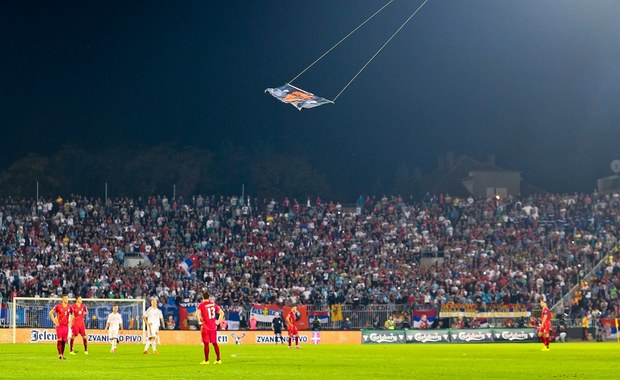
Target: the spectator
(243, 322)
(405, 322)
(389, 323)
(94, 322)
(316, 324)
(170, 324)
(376, 322)
(460, 323)
(346, 324)
(423, 322)
(584, 327)
(561, 337)
(493, 251)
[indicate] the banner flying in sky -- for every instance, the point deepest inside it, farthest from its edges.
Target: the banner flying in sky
(297, 97)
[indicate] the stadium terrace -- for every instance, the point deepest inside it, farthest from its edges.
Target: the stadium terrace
(384, 250)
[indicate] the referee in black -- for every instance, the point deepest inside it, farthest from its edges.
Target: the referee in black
(276, 325)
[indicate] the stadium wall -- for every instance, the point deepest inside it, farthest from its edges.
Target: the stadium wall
(39, 335)
(42, 335)
(449, 336)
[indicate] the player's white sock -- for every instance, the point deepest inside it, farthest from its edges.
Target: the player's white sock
(154, 344)
(146, 346)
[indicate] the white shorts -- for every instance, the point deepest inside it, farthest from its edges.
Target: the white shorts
(152, 330)
(113, 333)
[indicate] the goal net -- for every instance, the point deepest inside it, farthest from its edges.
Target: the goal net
(32, 314)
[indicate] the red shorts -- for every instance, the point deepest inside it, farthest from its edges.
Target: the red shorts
(78, 330)
(293, 331)
(208, 336)
(62, 332)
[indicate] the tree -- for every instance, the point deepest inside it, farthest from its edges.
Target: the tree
(277, 175)
(404, 181)
(155, 170)
(20, 179)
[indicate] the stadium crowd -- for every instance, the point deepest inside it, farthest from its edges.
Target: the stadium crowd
(490, 251)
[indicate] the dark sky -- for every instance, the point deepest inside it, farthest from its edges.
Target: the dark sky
(535, 82)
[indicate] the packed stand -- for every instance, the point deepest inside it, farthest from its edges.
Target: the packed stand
(494, 251)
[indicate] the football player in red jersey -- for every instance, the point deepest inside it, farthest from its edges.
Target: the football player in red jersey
(545, 324)
(78, 312)
(61, 316)
(291, 326)
(206, 316)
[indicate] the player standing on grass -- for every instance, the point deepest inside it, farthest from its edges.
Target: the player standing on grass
(205, 314)
(154, 319)
(61, 316)
(114, 324)
(291, 320)
(276, 325)
(78, 312)
(545, 324)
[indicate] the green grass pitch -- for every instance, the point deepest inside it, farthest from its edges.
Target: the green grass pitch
(411, 361)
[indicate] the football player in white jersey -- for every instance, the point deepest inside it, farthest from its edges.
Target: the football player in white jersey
(114, 324)
(153, 319)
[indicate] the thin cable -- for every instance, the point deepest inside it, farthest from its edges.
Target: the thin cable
(339, 42)
(379, 51)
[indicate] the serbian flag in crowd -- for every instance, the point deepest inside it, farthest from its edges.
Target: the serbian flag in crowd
(189, 264)
(484, 322)
(424, 318)
(234, 319)
(611, 327)
(264, 312)
(302, 322)
(148, 256)
(187, 316)
(322, 315)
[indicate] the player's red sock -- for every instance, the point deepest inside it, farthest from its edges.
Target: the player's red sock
(58, 346)
(71, 344)
(547, 342)
(206, 351)
(297, 341)
(216, 347)
(62, 347)
(289, 341)
(85, 344)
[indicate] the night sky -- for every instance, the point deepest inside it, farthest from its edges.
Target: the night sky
(537, 83)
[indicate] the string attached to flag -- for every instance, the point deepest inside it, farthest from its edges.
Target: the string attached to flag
(301, 99)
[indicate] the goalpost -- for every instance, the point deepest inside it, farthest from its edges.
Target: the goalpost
(32, 312)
